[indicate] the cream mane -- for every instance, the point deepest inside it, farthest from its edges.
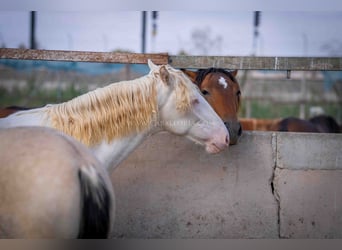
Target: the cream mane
(116, 110)
(184, 90)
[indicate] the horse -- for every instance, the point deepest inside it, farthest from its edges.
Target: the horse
(317, 124)
(222, 91)
(326, 124)
(51, 186)
(112, 121)
(257, 124)
(4, 112)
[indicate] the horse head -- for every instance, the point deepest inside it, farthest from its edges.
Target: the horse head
(221, 90)
(184, 111)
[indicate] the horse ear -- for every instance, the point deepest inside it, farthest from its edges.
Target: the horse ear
(164, 75)
(151, 64)
(234, 72)
(191, 74)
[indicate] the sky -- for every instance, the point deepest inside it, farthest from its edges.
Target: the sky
(230, 33)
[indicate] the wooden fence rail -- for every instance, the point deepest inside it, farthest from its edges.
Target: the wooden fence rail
(258, 63)
(82, 56)
(196, 62)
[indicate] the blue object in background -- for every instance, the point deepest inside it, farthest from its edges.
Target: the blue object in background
(79, 67)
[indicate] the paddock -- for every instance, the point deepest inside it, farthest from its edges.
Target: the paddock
(269, 185)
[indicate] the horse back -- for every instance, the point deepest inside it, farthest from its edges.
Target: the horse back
(293, 124)
(326, 124)
(42, 178)
(29, 117)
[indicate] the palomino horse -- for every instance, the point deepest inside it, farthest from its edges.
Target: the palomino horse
(318, 124)
(51, 186)
(115, 119)
(219, 87)
(222, 92)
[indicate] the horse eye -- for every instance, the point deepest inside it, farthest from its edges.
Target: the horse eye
(204, 92)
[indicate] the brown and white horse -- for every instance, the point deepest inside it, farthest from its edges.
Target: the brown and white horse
(222, 91)
(51, 186)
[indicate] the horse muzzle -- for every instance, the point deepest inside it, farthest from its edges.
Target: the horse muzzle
(235, 131)
(217, 146)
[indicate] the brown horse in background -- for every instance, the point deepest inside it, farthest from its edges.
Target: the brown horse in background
(250, 124)
(326, 124)
(4, 112)
(317, 124)
(222, 91)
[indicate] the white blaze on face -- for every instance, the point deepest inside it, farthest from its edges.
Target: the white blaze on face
(223, 82)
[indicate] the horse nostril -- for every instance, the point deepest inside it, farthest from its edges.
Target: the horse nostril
(227, 140)
(240, 130)
(227, 125)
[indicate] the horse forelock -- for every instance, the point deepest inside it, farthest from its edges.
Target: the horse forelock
(114, 111)
(185, 91)
(202, 73)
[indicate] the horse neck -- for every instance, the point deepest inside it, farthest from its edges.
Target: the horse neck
(109, 113)
(33, 117)
(113, 153)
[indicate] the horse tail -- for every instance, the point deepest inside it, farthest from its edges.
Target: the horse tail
(96, 205)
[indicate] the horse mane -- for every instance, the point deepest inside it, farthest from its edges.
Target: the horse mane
(202, 73)
(106, 113)
(117, 110)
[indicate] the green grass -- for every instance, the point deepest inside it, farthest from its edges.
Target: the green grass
(35, 97)
(268, 110)
(32, 96)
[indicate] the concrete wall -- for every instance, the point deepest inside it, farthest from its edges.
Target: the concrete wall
(270, 185)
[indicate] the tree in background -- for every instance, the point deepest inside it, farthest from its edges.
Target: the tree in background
(333, 47)
(205, 43)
